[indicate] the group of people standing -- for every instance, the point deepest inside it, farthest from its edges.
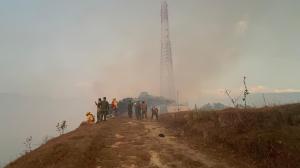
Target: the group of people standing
(141, 110)
(104, 110)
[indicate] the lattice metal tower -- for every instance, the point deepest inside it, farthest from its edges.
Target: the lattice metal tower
(167, 87)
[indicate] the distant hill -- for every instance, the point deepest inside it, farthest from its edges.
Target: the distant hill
(256, 99)
(213, 106)
(271, 99)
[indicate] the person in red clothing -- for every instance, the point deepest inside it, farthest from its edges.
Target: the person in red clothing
(114, 106)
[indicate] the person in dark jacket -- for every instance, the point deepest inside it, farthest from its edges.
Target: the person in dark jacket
(98, 110)
(154, 112)
(144, 109)
(130, 106)
(138, 110)
(104, 108)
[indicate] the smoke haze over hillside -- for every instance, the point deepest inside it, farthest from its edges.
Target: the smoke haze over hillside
(79, 51)
(72, 52)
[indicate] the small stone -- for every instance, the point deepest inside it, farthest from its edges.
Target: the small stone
(161, 135)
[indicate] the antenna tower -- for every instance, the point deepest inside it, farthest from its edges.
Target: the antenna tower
(167, 87)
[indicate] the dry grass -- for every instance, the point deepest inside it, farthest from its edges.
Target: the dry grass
(90, 146)
(64, 151)
(268, 136)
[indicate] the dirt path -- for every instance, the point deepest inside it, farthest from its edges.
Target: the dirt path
(136, 144)
(118, 143)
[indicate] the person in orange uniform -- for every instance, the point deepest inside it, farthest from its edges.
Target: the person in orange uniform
(90, 118)
(114, 106)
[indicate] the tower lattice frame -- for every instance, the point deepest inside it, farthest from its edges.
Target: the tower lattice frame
(167, 87)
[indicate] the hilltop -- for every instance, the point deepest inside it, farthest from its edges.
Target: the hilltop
(119, 142)
(229, 138)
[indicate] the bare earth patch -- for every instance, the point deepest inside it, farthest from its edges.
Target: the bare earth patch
(119, 142)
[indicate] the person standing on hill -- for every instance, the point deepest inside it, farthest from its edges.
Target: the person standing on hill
(129, 107)
(138, 110)
(154, 112)
(114, 107)
(144, 110)
(104, 108)
(98, 110)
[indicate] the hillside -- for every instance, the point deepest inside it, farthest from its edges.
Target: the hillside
(264, 137)
(119, 143)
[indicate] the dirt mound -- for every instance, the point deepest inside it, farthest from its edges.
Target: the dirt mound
(264, 137)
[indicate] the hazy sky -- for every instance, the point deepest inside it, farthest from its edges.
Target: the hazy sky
(87, 48)
(69, 49)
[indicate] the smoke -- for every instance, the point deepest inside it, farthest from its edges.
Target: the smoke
(133, 69)
(202, 53)
(202, 60)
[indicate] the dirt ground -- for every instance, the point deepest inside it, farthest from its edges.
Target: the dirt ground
(120, 143)
(147, 144)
